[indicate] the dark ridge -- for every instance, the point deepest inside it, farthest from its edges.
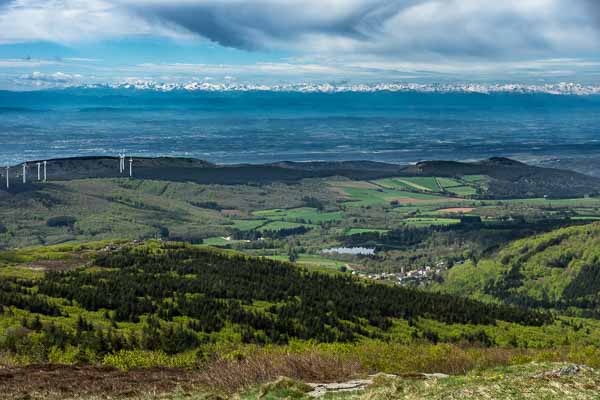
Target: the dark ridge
(508, 178)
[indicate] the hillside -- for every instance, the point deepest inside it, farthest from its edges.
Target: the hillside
(125, 318)
(559, 270)
(557, 381)
(508, 178)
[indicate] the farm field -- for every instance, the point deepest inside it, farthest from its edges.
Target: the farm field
(358, 231)
(268, 219)
(314, 262)
(306, 214)
(427, 184)
(425, 222)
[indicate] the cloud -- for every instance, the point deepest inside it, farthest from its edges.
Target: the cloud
(263, 23)
(331, 39)
(25, 63)
(56, 79)
(72, 21)
(594, 7)
(424, 28)
(398, 28)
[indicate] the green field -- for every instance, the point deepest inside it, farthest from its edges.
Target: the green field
(220, 241)
(446, 183)
(463, 191)
(423, 222)
(308, 215)
(279, 225)
(427, 184)
(370, 197)
(357, 231)
(315, 263)
(247, 224)
(474, 178)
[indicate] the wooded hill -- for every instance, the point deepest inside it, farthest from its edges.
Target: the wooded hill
(558, 270)
(508, 178)
(182, 294)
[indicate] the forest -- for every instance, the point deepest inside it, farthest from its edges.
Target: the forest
(179, 294)
(555, 270)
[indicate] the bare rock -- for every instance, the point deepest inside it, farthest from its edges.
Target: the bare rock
(569, 370)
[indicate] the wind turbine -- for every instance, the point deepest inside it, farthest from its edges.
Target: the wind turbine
(45, 162)
(39, 165)
(130, 167)
(7, 178)
(122, 162)
(24, 172)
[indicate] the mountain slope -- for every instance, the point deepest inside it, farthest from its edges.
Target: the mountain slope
(559, 270)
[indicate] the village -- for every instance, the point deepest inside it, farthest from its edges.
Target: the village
(422, 276)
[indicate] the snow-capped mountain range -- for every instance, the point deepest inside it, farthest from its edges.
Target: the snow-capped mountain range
(554, 89)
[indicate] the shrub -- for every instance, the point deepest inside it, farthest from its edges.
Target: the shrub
(61, 221)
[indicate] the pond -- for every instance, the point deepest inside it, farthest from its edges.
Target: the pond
(355, 251)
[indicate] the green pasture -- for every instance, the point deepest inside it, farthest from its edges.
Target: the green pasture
(370, 197)
(462, 191)
(310, 215)
(425, 222)
(247, 224)
(313, 262)
(358, 231)
(474, 178)
(427, 184)
(280, 225)
(220, 241)
(446, 183)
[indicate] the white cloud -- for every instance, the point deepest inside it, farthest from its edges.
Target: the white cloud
(71, 21)
(57, 79)
(385, 28)
(25, 63)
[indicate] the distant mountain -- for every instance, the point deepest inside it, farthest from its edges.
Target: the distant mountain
(558, 270)
(513, 179)
(565, 88)
(506, 178)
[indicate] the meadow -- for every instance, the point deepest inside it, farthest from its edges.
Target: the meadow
(277, 219)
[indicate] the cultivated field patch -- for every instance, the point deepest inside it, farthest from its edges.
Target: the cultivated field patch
(456, 210)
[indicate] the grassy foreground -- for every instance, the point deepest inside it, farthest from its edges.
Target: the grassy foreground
(527, 381)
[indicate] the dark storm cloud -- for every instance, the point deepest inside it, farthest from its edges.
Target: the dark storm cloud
(394, 27)
(251, 25)
(594, 8)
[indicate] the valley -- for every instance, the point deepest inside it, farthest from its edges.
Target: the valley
(336, 274)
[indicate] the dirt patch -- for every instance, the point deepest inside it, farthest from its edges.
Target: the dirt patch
(58, 382)
(54, 382)
(232, 213)
(74, 261)
(457, 210)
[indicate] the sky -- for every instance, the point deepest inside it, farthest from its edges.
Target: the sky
(55, 43)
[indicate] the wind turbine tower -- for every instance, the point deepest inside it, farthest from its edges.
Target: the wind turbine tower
(130, 167)
(45, 162)
(24, 172)
(39, 165)
(7, 178)
(121, 162)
